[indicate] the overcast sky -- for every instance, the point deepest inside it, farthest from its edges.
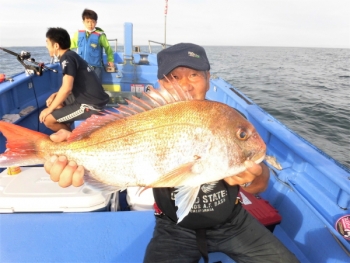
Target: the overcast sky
(292, 23)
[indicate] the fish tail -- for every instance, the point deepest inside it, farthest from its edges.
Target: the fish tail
(21, 145)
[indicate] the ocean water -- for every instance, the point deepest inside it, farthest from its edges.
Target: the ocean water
(307, 89)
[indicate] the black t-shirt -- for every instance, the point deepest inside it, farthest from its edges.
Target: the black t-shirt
(87, 88)
(214, 204)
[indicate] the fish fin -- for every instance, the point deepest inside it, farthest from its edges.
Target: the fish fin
(20, 146)
(163, 96)
(151, 99)
(93, 123)
(154, 98)
(177, 91)
(97, 185)
(185, 196)
(179, 175)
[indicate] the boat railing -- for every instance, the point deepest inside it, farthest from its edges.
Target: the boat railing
(115, 40)
(160, 43)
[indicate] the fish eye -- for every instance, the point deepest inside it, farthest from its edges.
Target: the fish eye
(242, 134)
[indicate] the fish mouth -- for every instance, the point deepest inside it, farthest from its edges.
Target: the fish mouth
(255, 156)
(260, 158)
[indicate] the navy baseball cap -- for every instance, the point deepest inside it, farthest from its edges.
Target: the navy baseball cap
(182, 54)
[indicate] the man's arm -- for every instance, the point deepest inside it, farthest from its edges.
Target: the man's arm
(108, 50)
(74, 41)
(61, 95)
(63, 92)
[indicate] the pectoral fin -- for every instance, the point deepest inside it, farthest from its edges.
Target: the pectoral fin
(179, 175)
(184, 199)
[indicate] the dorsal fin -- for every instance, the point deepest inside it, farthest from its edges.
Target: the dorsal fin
(149, 100)
(93, 123)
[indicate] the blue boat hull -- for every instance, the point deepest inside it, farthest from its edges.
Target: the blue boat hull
(311, 191)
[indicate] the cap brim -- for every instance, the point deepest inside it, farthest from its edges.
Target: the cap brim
(180, 63)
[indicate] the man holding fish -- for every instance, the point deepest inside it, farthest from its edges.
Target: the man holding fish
(216, 221)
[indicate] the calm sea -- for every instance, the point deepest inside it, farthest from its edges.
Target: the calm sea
(308, 89)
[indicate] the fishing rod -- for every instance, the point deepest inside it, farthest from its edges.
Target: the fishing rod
(26, 56)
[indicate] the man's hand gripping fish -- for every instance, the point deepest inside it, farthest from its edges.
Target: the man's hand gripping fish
(164, 139)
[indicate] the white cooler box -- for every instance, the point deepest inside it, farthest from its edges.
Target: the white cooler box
(33, 191)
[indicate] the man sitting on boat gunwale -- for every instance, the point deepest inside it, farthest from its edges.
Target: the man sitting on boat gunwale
(81, 93)
(239, 235)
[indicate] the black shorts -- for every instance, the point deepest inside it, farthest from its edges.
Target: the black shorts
(74, 112)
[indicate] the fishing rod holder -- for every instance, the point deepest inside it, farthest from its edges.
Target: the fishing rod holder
(37, 68)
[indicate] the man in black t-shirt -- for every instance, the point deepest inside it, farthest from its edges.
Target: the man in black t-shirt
(81, 93)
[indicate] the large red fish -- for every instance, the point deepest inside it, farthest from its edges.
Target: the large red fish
(163, 140)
